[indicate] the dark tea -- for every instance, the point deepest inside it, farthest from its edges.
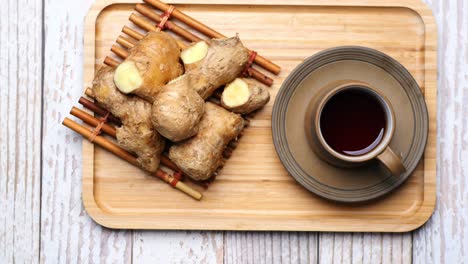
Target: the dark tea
(353, 121)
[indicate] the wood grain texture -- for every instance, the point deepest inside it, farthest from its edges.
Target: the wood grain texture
(270, 247)
(177, 247)
(20, 119)
(365, 248)
(444, 239)
(68, 235)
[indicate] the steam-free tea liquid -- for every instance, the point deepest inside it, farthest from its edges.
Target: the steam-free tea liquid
(353, 121)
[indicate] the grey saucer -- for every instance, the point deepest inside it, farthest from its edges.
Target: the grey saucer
(357, 63)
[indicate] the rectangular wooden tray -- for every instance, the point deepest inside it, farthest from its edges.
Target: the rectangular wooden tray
(253, 191)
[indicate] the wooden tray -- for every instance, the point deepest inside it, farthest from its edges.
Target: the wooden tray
(253, 191)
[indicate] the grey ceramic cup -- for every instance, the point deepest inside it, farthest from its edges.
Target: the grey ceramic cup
(382, 152)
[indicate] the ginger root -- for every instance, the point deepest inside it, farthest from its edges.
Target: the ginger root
(177, 110)
(213, 63)
(244, 96)
(150, 65)
(136, 134)
(200, 156)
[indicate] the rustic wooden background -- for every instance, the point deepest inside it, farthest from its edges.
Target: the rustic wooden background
(41, 215)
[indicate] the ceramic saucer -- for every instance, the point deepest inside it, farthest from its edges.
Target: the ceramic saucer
(348, 63)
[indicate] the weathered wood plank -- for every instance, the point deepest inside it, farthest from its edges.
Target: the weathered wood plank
(20, 118)
(365, 248)
(444, 239)
(68, 235)
(177, 247)
(270, 247)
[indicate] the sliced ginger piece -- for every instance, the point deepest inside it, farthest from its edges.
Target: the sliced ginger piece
(244, 95)
(195, 53)
(127, 77)
(236, 93)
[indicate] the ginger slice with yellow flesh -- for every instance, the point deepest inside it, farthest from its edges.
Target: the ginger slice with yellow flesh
(195, 53)
(127, 77)
(236, 93)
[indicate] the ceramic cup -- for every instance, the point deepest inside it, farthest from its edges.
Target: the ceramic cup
(381, 152)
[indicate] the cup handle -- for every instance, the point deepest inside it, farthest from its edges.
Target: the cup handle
(392, 162)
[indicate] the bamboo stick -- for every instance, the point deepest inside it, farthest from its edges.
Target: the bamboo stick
(111, 62)
(132, 33)
(126, 42)
(101, 141)
(92, 121)
(119, 51)
(108, 145)
(263, 62)
(143, 23)
(179, 185)
(98, 110)
(169, 25)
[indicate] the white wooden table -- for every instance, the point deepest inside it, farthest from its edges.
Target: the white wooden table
(41, 215)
